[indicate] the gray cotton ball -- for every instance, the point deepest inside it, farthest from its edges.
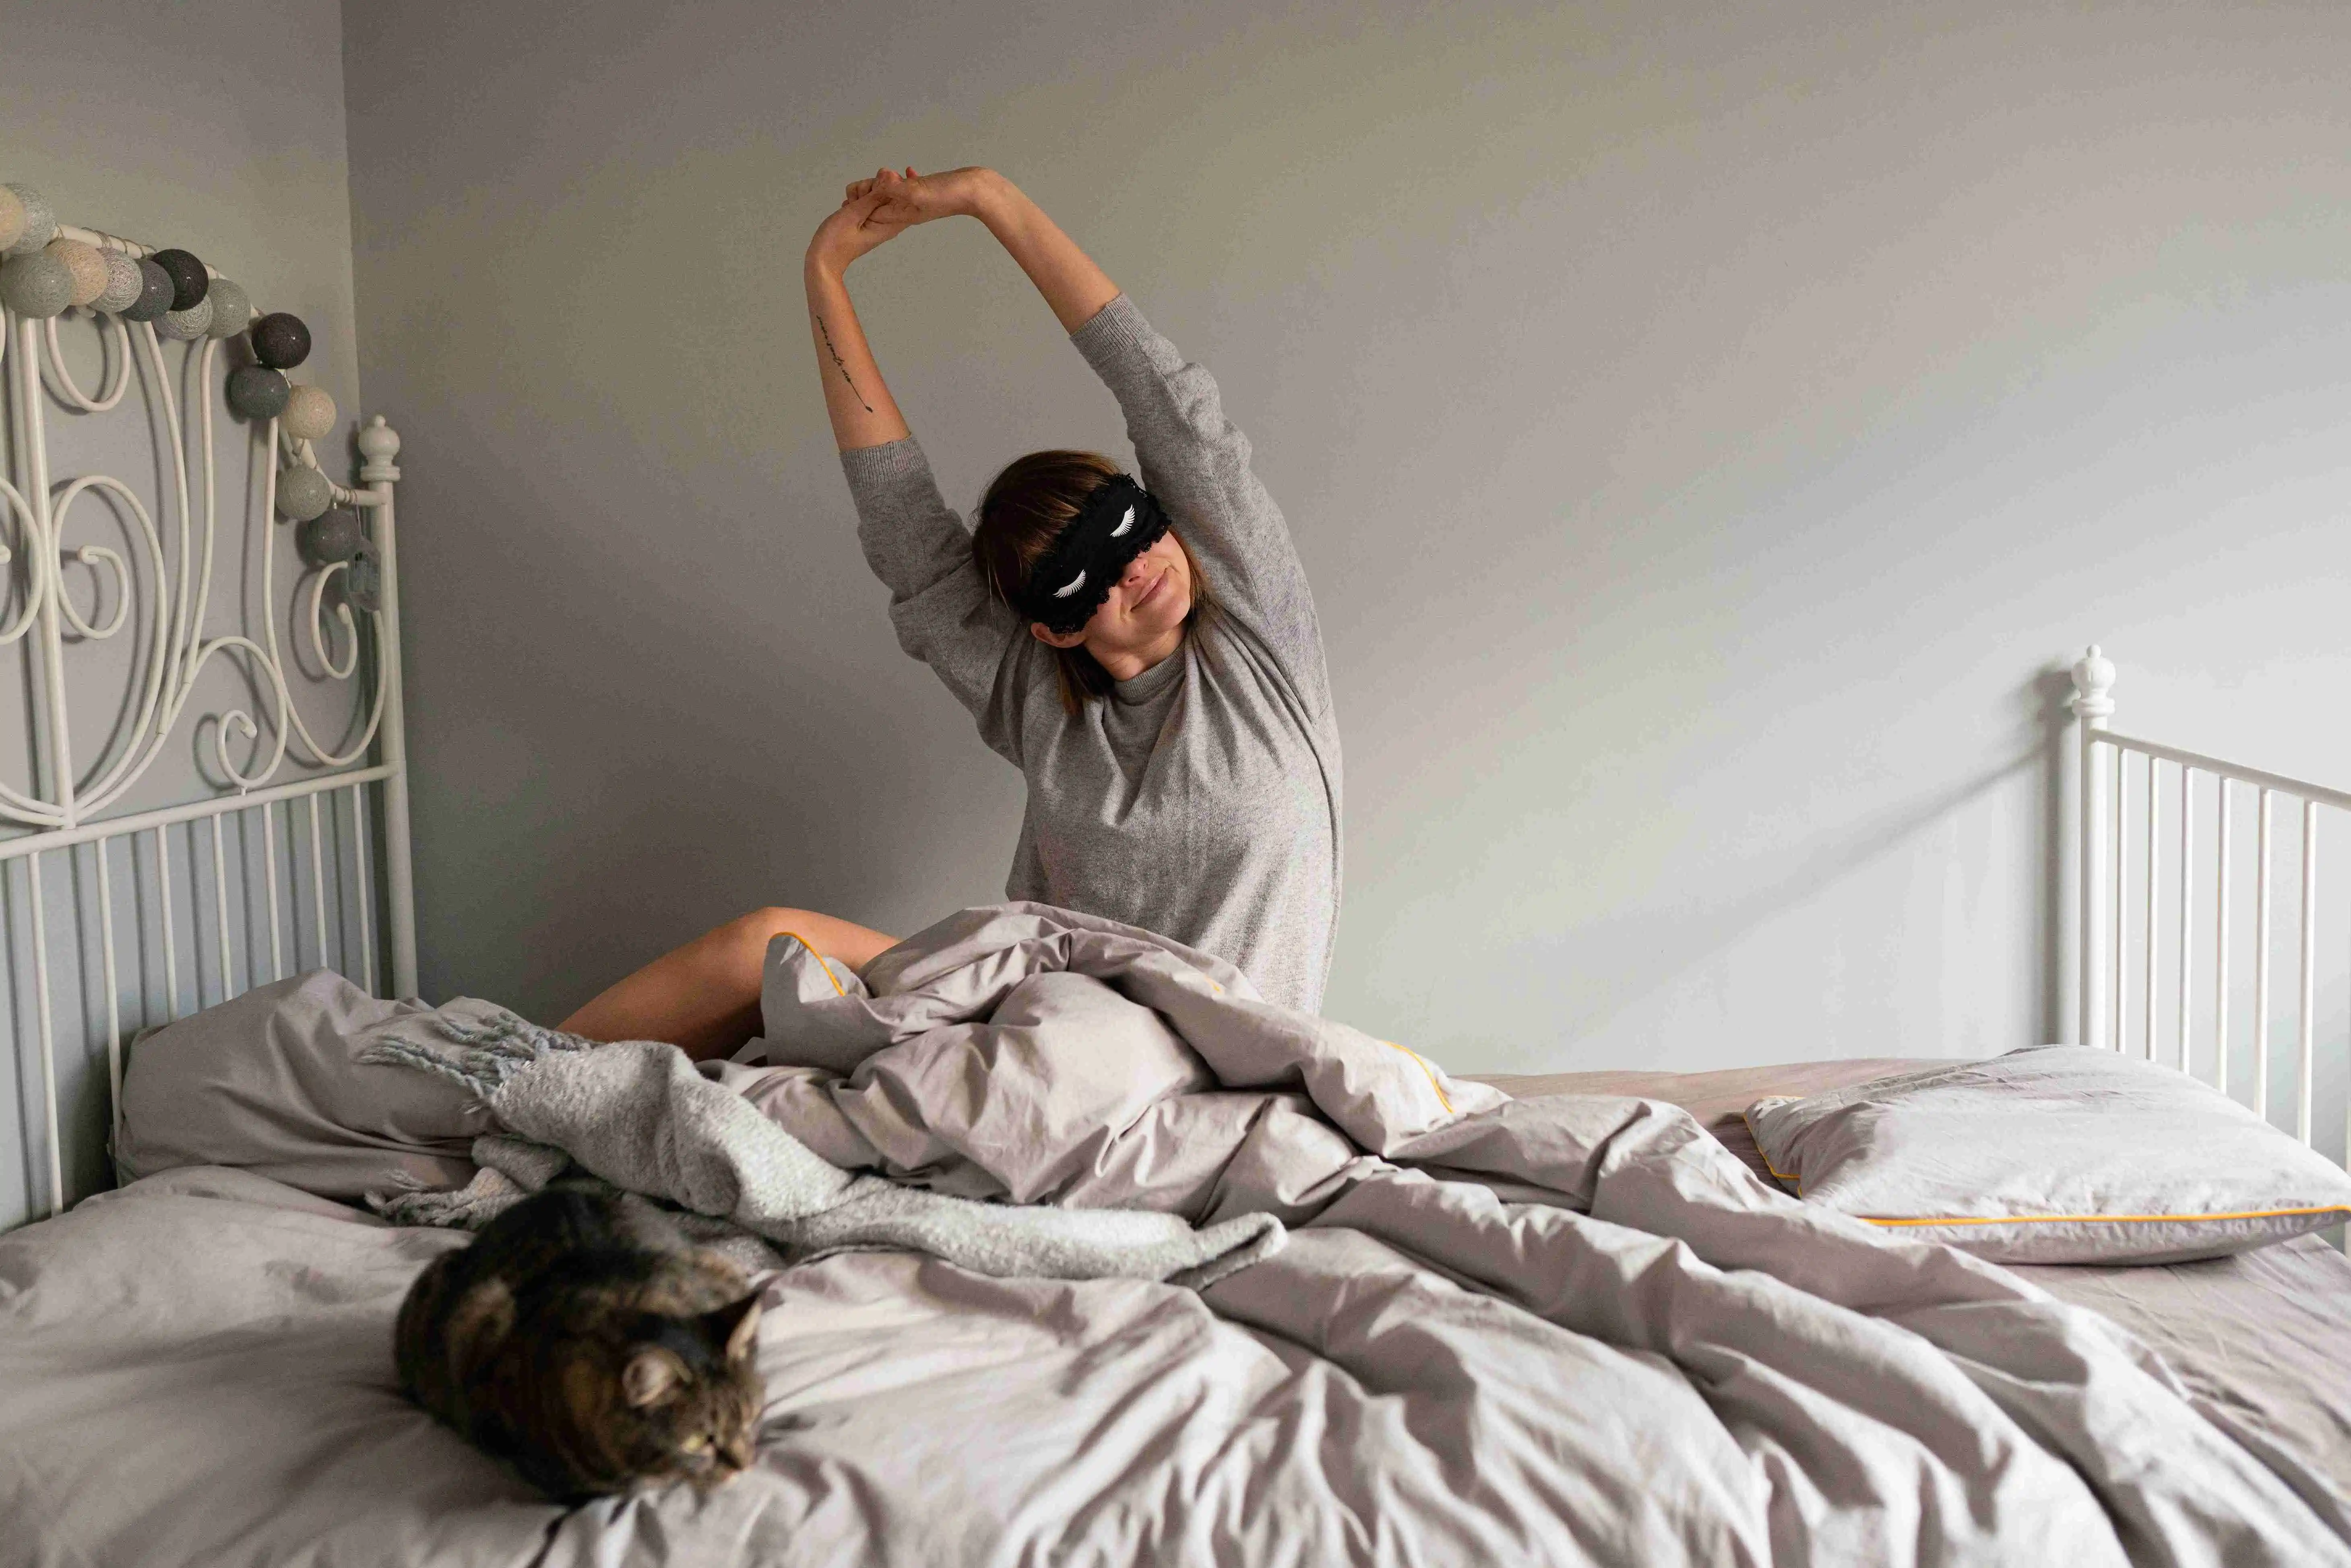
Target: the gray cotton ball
(187, 325)
(40, 221)
(231, 308)
(256, 391)
(36, 285)
(331, 537)
(122, 282)
(155, 294)
(303, 492)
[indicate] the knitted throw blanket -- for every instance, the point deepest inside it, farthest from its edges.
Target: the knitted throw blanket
(637, 1115)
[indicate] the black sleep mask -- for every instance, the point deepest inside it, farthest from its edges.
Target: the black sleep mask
(1118, 521)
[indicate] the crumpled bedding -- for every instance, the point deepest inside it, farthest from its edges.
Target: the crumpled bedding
(1565, 1330)
(636, 1115)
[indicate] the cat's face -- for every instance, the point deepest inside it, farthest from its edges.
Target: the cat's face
(674, 1399)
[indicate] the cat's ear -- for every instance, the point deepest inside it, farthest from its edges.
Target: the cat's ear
(735, 1326)
(652, 1374)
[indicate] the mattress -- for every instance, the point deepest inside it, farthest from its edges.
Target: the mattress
(2265, 1334)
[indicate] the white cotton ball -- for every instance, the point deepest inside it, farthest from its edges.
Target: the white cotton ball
(89, 268)
(11, 216)
(309, 413)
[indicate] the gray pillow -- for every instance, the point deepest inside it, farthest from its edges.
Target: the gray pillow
(266, 1082)
(2054, 1153)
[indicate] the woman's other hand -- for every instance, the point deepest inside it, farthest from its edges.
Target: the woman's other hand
(908, 198)
(855, 227)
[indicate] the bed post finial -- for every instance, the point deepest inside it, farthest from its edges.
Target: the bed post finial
(2094, 679)
(379, 444)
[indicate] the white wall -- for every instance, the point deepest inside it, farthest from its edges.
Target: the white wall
(218, 127)
(1705, 428)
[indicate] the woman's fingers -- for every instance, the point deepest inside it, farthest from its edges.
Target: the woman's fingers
(857, 188)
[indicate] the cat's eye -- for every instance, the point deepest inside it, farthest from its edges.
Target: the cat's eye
(698, 1443)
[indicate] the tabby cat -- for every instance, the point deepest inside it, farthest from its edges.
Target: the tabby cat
(584, 1339)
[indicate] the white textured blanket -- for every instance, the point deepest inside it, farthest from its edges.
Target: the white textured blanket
(636, 1113)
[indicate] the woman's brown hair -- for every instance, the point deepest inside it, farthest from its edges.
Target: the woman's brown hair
(1022, 514)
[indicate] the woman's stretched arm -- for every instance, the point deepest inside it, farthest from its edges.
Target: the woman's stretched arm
(864, 413)
(939, 603)
(1190, 454)
(1072, 284)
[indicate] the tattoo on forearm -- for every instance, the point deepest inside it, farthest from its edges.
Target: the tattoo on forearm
(841, 367)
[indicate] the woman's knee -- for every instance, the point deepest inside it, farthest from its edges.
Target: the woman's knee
(754, 930)
(829, 936)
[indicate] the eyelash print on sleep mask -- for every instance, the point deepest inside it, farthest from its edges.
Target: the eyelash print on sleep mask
(1119, 521)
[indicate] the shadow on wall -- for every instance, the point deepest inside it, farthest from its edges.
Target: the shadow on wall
(1652, 954)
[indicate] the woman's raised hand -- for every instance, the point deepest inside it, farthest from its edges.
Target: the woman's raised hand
(855, 227)
(908, 198)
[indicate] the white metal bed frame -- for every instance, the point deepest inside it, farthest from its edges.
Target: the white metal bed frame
(65, 807)
(2102, 863)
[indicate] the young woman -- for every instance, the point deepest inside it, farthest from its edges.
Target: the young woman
(1145, 654)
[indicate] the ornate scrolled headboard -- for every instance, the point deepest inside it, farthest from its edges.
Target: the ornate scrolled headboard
(175, 828)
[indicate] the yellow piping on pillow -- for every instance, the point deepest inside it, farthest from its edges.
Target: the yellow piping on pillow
(1426, 1068)
(821, 962)
(1783, 1174)
(2095, 1219)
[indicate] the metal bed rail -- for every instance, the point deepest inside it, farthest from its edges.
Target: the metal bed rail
(2110, 916)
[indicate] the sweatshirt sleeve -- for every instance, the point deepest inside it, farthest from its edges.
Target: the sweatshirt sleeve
(1198, 465)
(939, 603)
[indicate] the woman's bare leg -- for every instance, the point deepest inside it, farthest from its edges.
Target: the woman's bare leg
(704, 996)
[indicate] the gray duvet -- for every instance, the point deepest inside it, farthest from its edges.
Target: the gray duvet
(1572, 1329)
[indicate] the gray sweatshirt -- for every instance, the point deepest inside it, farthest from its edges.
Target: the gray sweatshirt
(1200, 800)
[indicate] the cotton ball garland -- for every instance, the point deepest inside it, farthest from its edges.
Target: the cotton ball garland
(11, 216)
(303, 492)
(36, 285)
(40, 221)
(123, 281)
(89, 268)
(309, 413)
(231, 308)
(256, 392)
(280, 341)
(155, 294)
(189, 279)
(329, 537)
(186, 326)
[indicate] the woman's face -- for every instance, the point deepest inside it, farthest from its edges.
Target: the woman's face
(1143, 617)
